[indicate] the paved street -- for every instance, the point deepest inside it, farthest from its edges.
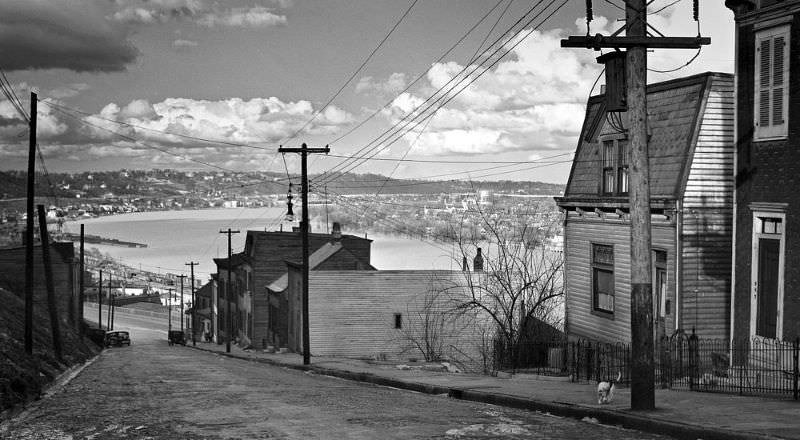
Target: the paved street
(152, 390)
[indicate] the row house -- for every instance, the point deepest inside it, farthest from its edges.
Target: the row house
(264, 260)
(386, 314)
(691, 153)
(765, 295)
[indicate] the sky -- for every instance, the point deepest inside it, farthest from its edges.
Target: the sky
(220, 85)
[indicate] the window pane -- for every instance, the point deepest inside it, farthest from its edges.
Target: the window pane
(608, 154)
(608, 181)
(623, 180)
(602, 254)
(604, 290)
(623, 153)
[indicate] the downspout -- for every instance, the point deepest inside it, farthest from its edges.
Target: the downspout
(678, 261)
(735, 171)
(564, 266)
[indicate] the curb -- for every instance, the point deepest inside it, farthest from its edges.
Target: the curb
(624, 419)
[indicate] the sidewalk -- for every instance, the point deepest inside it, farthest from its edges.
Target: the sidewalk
(681, 414)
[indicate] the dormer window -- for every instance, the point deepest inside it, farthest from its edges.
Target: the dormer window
(615, 166)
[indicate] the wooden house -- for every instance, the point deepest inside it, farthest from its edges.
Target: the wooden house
(765, 295)
(331, 256)
(691, 188)
(384, 314)
(263, 260)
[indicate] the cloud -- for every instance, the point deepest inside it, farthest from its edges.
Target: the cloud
(150, 12)
(74, 35)
(137, 129)
(243, 17)
(533, 100)
(181, 45)
(395, 83)
(68, 91)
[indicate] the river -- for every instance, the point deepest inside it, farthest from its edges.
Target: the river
(174, 238)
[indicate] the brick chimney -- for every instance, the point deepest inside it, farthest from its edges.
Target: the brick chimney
(336, 233)
(477, 263)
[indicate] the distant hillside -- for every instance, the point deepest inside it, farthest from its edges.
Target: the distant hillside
(172, 183)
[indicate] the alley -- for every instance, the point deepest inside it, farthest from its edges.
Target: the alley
(153, 391)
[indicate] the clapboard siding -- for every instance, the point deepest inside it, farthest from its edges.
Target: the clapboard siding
(352, 313)
(708, 220)
(691, 170)
(582, 232)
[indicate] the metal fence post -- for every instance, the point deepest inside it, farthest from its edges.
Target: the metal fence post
(796, 354)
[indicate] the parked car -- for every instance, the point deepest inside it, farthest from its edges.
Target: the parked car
(176, 337)
(117, 338)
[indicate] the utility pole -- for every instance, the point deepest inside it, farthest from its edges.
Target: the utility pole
(108, 304)
(29, 229)
(194, 304)
(100, 300)
(181, 276)
(49, 284)
(228, 292)
(304, 152)
(169, 312)
(636, 41)
(81, 294)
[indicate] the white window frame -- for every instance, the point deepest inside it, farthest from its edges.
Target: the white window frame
(772, 130)
(757, 216)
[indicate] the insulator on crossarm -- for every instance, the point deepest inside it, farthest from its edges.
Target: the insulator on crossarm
(589, 15)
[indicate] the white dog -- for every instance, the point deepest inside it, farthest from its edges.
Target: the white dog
(605, 390)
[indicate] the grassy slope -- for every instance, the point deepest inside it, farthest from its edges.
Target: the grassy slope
(22, 376)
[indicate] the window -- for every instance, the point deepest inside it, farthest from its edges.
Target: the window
(398, 320)
(615, 166)
(771, 90)
(603, 278)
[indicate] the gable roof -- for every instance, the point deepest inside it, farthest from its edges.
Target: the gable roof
(321, 255)
(674, 113)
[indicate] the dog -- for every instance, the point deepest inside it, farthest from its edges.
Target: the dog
(605, 390)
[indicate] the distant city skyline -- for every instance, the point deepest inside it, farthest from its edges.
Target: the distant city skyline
(113, 76)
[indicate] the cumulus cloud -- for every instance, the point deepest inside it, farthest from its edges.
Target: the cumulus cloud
(74, 35)
(199, 11)
(243, 17)
(181, 44)
(395, 83)
(529, 101)
(533, 100)
(169, 125)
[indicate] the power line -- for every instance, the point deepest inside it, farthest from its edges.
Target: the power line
(420, 76)
(142, 143)
(369, 57)
(155, 130)
(418, 113)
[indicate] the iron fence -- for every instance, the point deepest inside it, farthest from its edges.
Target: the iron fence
(757, 366)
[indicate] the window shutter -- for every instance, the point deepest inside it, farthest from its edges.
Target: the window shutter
(771, 88)
(777, 80)
(763, 83)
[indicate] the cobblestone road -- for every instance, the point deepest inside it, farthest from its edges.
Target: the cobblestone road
(153, 391)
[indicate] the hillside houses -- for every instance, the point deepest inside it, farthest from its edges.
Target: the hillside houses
(765, 298)
(691, 183)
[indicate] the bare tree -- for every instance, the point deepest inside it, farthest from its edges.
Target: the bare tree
(433, 328)
(520, 287)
